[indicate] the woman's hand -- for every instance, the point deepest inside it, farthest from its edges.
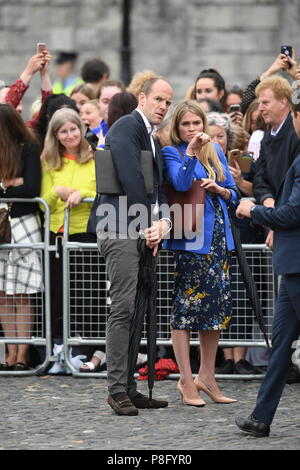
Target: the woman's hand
(211, 186)
(35, 63)
(237, 118)
(74, 199)
(47, 60)
(292, 67)
(280, 63)
(197, 143)
(64, 192)
(236, 172)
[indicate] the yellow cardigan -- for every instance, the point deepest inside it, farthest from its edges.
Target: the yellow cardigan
(73, 175)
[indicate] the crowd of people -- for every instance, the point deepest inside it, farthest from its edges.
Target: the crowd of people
(207, 136)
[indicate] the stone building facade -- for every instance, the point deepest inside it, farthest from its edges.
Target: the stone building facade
(175, 38)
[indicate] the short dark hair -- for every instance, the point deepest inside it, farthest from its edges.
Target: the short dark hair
(120, 105)
(235, 90)
(109, 83)
(93, 70)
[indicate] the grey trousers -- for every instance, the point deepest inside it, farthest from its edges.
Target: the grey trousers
(122, 263)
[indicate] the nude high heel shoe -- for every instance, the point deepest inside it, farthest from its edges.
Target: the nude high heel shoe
(216, 398)
(189, 401)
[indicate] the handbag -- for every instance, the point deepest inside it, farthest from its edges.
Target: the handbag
(188, 219)
(5, 227)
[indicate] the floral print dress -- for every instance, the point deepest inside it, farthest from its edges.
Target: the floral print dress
(201, 295)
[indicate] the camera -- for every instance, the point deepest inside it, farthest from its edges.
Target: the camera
(92, 139)
(288, 51)
(234, 108)
(40, 47)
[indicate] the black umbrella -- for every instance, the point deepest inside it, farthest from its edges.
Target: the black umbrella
(145, 306)
(249, 282)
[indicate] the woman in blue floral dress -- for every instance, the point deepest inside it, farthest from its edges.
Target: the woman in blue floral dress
(201, 297)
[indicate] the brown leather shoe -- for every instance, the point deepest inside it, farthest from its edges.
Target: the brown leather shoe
(142, 401)
(122, 405)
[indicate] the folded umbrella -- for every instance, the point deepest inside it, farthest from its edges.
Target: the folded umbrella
(145, 307)
(249, 282)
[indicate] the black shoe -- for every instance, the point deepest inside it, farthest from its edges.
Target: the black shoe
(293, 375)
(252, 426)
(227, 367)
(244, 367)
(142, 401)
(20, 366)
(5, 366)
(122, 405)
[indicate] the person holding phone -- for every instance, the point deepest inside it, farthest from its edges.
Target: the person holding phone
(201, 296)
(13, 94)
(233, 105)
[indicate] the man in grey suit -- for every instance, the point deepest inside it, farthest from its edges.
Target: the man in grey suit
(119, 246)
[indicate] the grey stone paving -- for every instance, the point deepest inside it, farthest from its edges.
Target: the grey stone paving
(52, 412)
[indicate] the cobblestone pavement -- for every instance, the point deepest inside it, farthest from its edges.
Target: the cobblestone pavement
(62, 412)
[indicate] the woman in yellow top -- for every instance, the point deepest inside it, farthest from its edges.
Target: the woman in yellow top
(68, 176)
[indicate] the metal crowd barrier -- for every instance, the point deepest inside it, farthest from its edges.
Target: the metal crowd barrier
(35, 308)
(86, 299)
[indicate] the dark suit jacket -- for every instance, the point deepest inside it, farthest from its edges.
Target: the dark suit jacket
(277, 153)
(284, 219)
(126, 139)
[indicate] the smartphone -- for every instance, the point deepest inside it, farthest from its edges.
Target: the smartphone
(288, 51)
(234, 155)
(244, 159)
(234, 108)
(40, 47)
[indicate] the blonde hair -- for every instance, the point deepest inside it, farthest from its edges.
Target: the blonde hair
(53, 150)
(35, 108)
(138, 80)
(208, 154)
(94, 103)
(279, 85)
(85, 89)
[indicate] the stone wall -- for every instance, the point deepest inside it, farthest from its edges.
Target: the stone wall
(175, 38)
